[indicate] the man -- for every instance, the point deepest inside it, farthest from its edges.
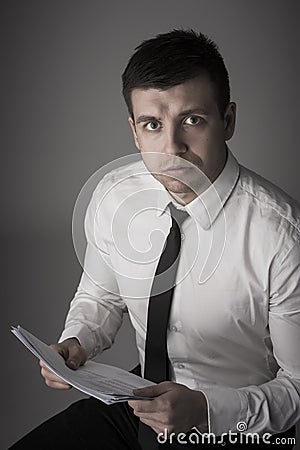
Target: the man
(234, 316)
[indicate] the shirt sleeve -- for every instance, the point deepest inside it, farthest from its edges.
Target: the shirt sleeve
(96, 311)
(274, 406)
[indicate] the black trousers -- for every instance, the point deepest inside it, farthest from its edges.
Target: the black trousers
(90, 424)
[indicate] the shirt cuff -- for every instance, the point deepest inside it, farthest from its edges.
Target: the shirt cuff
(84, 336)
(226, 410)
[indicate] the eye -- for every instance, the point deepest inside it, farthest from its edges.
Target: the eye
(193, 120)
(152, 126)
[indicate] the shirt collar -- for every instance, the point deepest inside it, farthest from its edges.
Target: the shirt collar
(207, 206)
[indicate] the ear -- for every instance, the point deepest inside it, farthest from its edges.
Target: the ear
(132, 126)
(229, 120)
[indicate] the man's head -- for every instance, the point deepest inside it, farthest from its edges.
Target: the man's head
(177, 91)
(172, 58)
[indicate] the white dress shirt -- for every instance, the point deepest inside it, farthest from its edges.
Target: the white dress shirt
(234, 327)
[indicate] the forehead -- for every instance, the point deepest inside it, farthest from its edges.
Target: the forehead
(195, 93)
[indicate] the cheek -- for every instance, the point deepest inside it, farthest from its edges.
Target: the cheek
(149, 143)
(205, 151)
(207, 141)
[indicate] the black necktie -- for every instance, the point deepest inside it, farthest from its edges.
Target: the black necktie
(156, 354)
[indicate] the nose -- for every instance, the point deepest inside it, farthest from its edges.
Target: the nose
(174, 142)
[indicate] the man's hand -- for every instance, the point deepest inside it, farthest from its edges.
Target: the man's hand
(175, 407)
(73, 354)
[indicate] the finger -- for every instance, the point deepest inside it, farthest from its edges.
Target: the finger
(45, 369)
(155, 417)
(158, 417)
(146, 406)
(154, 390)
(57, 385)
(44, 366)
(49, 375)
(54, 381)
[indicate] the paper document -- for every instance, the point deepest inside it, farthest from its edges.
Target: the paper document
(107, 383)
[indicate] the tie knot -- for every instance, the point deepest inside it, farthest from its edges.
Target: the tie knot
(177, 214)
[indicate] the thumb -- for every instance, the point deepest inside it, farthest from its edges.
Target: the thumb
(72, 363)
(72, 352)
(76, 357)
(154, 390)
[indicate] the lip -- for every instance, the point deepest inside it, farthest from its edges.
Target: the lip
(176, 170)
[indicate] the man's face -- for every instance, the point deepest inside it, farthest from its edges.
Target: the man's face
(184, 122)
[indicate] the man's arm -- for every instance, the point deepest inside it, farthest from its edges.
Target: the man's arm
(96, 311)
(272, 407)
(275, 405)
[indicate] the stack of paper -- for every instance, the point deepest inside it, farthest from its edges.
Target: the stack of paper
(107, 383)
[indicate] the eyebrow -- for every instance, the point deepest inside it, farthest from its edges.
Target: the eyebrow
(194, 111)
(145, 119)
(187, 112)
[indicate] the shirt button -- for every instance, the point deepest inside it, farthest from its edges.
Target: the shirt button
(182, 236)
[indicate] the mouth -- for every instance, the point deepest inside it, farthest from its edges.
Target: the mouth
(176, 170)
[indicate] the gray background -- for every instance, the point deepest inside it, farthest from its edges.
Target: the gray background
(64, 117)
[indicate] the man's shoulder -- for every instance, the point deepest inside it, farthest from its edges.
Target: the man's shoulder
(130, 170)
(270, 198)
(129, 176)
(124, 188)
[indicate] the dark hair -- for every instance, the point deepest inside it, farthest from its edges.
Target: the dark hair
(173, 58)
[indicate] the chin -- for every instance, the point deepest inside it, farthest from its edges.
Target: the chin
(176, 186)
